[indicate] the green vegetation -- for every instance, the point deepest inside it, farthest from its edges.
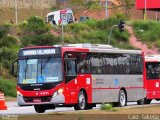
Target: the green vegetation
(9, 48)
(107, 107)
(148, 32)
(34, 31)
(8, 87)
(97, 32)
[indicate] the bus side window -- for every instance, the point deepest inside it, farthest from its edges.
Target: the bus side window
(83, 63)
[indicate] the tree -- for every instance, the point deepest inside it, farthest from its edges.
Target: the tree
(8, 45)
(34, 26)
(127, 5)
(36, 32)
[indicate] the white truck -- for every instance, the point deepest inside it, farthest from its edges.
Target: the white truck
(57, 17)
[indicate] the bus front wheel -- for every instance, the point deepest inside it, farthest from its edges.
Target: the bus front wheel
(81, 105)
(40, 108)
(122, 98)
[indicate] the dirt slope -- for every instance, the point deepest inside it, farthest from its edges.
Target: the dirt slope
(138, 44)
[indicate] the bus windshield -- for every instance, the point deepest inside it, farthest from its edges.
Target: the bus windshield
(32, 71)
(153, 70)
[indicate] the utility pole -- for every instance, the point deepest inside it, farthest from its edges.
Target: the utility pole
(16, 12)
(100, 3)
(62, 33)
(41, 10)
(156, 15)
(107, 9)
(145, 9)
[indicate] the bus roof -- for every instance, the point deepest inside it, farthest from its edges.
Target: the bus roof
(94, 48)
(152, 58)
(101, 48)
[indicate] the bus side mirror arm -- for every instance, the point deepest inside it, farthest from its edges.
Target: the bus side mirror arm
(14, 73)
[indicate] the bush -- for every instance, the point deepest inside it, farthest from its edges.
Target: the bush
(158, 43)
(42, 39)
(7, 55)
(4, 30)
(93, 31)
(36, 32)
(147, 31)
(107, 107)
(8, 41)
(9, 47)
(8, 87)
(34, 25)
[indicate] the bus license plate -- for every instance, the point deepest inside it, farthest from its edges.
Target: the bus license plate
(37, 100)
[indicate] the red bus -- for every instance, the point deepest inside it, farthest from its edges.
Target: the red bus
(79, 75)
(152, 78)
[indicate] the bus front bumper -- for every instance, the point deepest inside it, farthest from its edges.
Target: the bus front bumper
(27, 101)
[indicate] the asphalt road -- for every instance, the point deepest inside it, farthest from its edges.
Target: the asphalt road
(13, 109)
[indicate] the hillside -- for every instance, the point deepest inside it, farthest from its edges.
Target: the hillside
(28, 8)
(135, 42)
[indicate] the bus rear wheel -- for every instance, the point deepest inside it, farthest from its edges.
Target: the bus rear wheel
(144, 101)
(40, 108)
(122, 98)
(148, 101)
(81, 105)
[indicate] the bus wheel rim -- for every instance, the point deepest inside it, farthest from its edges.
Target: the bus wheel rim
(81, 101)
(122, 99)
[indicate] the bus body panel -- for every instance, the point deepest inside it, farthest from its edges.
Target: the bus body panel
(82, 81)
(110, 85)
(73, 87)
(153, 89)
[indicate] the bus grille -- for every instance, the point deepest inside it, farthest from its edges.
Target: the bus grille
(39, 99)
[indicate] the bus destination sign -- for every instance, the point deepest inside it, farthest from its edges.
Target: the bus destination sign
(32, 52)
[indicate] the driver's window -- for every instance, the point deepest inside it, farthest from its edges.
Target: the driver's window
(71, 67)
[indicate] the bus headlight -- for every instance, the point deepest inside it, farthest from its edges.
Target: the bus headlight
(60, 91)
(19, 94)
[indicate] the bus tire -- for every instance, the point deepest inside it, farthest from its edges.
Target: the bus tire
(89, 106)
(115, 104)
(141, 101)
(148, 101)
(122, 98)
(81, 105)
(144, 101)
(39, 108)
